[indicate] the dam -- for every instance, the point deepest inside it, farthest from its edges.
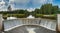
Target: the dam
(26, 24)
(29, 25)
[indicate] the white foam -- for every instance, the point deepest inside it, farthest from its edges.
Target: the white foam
(31, 30)
(30, 16)
(8, 18)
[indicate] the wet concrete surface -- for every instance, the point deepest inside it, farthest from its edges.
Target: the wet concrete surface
(38, 29)
(44, 30)
(0, 31)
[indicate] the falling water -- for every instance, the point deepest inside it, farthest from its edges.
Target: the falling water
(31, 30)
(10, 24)
(30, 16)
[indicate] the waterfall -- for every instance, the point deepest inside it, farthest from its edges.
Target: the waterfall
(30, 16)
(31, 30)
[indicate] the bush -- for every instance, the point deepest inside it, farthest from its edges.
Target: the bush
(17, 15)
(5, 17)
(38, 15)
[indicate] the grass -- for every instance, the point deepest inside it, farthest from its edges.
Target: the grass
(53, 16)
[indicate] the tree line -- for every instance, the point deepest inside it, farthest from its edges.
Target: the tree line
(45, 9)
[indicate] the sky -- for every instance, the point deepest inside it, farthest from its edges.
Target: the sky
(26, 4)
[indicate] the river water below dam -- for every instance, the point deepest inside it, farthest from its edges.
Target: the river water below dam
(30, 29)
(44, 24)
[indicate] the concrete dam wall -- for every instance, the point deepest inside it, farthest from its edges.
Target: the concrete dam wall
(46, 23)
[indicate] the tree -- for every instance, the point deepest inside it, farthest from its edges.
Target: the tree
(46, 9)
(37, 11)
(55, 9)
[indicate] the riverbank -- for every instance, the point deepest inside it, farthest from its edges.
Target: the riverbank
(53, 16)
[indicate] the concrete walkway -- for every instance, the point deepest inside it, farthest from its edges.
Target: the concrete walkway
(0, 31)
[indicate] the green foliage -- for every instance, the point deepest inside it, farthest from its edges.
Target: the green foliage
(47, 9)
(14, 15)
(19, 15)
(53, 16)
(38, 15)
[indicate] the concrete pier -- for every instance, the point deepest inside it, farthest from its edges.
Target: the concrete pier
(58, 23)
(1, 24)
